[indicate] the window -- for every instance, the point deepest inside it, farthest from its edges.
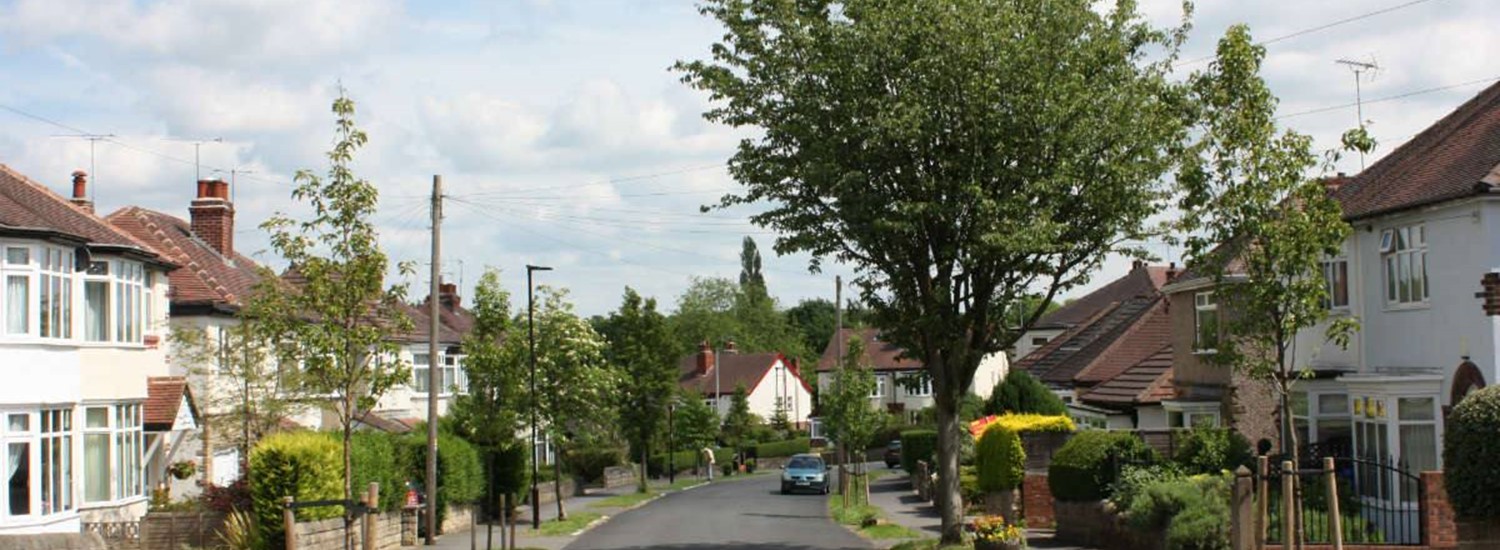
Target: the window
(1404, 251)
(1336, 284)
(56, 294)
(57, 460)
(112, 445)
(1038, 341)
(919, 385)
(19, 273)
(1416, 418)
(96, 302)
(454, 377)
(420, 362)
(130, 278)
(1205, 322)
(879, 386)
(37, 462)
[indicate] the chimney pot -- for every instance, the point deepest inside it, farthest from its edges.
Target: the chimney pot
(81, 191)
(448, 295)
(212, 216)
(729, 347)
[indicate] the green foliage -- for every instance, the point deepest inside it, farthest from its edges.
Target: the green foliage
(1471, 449)
(1000, 459)
(589, 464)
(240, 532)
(507, 473)
(815, 320)
(1036, 423)
(1022, 393)
(641, 347)
(261, 395)
(460, 474)
(848, 416)
(917, 445)
(492, 411)
(1135, 478)
(1205, 450)
(968, 484)
(717, 310)
(303, 465)
(738, 421)
(376, 458)
(783, 448)
(696, 423)
(1083, 469)
(1193, 512)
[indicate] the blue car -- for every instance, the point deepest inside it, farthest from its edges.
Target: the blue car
(805, 473)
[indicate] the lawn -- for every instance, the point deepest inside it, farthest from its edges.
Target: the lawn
(575, 521)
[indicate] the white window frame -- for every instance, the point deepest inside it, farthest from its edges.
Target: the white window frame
(26, 270)
(1188, 414)
(128, 319)
(879, 387)
(91, 277)
(1205, 303)
(921, 387)
(1333, 269)
(125, 438)
(420, 362)
(54, 319)
(1403, 256)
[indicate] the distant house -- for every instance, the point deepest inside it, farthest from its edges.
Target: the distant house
(901, 383)
(770, 379)
(83, 319)
(1141, 280)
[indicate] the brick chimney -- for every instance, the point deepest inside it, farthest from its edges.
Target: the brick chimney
(81, 191)
(213, 216)
(448, 295)
(729, 347)
(705, 358)
(1332, 184)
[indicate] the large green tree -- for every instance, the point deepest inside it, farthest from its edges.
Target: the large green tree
(815, 319)
(717, 310)
(959, 155)
(337, 318)
(493, 411)
(695, 423)
(641, 347)
(1253, 213)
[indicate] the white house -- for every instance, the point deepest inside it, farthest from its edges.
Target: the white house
(770, 380)
(82, 331)
(901, 385)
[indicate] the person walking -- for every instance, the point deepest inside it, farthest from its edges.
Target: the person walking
(708, 458)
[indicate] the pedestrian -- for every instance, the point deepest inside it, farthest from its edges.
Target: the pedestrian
(708, 458)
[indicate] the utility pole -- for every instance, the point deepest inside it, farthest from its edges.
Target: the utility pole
(838, 354)
(1359, 67)
(434, 363)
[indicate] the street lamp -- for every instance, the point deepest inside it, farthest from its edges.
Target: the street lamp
(671, 442)
(536, 511)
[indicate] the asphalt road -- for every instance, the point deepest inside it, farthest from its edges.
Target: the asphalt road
(748, 513)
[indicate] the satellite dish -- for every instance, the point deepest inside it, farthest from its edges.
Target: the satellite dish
(82, 258)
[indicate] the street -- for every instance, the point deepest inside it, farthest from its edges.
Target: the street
(738, 513)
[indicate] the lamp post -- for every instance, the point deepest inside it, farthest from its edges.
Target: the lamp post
(671, 443)
(536, 511)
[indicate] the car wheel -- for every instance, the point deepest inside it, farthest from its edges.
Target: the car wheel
(785, 490)
(825, 489)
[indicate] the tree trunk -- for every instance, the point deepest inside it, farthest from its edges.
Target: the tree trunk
(557, 482)
(349, 480)
(645, 456)
(949, 499)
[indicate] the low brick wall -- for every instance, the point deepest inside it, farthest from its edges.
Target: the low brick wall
(1097, 525)
(1036, 501)
(175, 529)
(53, 541)
(546, 494)
(458, 518)
(618, 476)
(328, 534)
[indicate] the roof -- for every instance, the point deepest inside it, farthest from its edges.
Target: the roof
(454, 322)
(205, 277)
(1142, 280)
(1458, 156)
(1071, 353)
(879, 354)
(747, 369)
(1141, 339)
(1147, 381)
(26, 205)
(164, 398)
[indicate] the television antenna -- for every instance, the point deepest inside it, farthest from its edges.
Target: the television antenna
(1359, 68)
(93, 139)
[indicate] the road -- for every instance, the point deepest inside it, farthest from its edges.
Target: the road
(748, 514)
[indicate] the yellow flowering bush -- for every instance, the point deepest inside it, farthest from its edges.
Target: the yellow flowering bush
(994, 529)
(1023, 423)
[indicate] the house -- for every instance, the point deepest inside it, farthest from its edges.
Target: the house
(1141, 280)
(901, 382)
(407, 403)
(1421, 274)
(771, 380)
(82, 331)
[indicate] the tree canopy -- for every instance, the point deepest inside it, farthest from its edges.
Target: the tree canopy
(642, 349)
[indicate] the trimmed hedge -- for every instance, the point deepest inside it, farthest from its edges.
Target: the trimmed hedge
(783, 448)
(1082, 470)
(1204, 450)
(375, 459)
(1036, 423)
(303, 465)
(1192, 512)
(1000, 459)
(1020, 392)
(918, 445)
(1470, 452)
(589, 464)
(460, 475)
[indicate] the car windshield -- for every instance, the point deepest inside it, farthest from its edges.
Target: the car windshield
(805, 463)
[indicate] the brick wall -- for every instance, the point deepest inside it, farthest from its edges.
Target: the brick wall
(458, 518)
(328, 534)
(1096, 525)
(1036, 501)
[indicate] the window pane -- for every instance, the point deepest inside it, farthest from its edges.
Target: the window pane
(1390, 278)
(419, 379)
(1418, 454)
(1415, 408)
(1333, 404)
(1421, 268)
(17, 303)
(1341, 284)
(18, 423)
(96, 311)
(97, 417)
(16, 255)
(95, 467)
(18, 470)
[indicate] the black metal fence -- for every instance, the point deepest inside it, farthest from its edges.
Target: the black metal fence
(1379, 501)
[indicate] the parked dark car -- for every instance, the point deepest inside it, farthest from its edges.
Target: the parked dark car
(893, 454)
(805, 472)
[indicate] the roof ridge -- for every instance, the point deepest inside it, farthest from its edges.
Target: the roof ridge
(90, 216)
(148, 220)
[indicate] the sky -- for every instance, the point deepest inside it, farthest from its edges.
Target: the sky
(562, 137)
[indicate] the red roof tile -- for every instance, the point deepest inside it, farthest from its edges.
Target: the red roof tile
(1455, 157)
(1141, 281)
(879, 354)
(164, 396)
(1142, 339)
(747, 369)
(205, 277)
(28, 205)
(1146, 382)
(1071, 353)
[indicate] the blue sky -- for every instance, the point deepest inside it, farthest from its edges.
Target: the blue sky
(561, 135)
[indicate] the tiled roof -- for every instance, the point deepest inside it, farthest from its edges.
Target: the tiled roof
(879, 354)
(1064, 357)
(453, 324)
(1143, 280)
(205, 276)
(1147, 381)
(164, 396)
(28, 205)
(746, 369)
(1144, 337)
(1458, 156)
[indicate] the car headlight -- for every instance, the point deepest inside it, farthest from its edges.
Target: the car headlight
(786, 476)
(817, 477)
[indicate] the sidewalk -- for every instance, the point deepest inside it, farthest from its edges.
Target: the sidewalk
(591, 503)
(894, 495)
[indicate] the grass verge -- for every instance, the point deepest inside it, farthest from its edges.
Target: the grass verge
(575, 521)
(624, 501)
(857, 514)
(925, 544)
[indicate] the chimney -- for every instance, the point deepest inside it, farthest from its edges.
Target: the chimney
(213, 216)
(448, 295)
(81, 191)
(705, 358)
(729, 347)
(1171, 270)
(1332, 185)
(1137, 264)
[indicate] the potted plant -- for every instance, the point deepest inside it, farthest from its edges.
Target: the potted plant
(1469, 458)
(992, 533)
(183, 469)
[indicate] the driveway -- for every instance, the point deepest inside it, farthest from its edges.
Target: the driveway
(745, 513)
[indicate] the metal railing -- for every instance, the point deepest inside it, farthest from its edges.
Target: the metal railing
(1377, 502)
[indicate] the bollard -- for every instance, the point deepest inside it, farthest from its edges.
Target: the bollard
(1242, 510)
(372, 527)
(1288, 531)
(1335, 522)
(289, 522)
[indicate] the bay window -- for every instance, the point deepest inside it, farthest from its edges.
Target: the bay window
(919, 385)
(37, 462)
(1404, 253)
(451, 375)
(112, 447)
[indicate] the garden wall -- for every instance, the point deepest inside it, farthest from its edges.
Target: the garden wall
(1096, 525)
(175, 529)
(328, 534)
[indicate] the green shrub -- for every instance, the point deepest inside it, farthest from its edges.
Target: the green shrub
(968, 485)
(783, 448)
(1000, 459)
(1134, 479)
(303, 465)
(1471, 449)
(509, 470)
(1021, 393)
(460, 476)
(1193, 512)
(682, 460)
(590, 463)
(1204, 450)
(1083, 470)
(918, 445)
(374, 455)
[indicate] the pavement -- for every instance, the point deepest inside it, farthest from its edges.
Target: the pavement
(525, 537)
(893, 494)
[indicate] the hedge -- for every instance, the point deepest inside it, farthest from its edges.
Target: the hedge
(589, 464)
(1020, 392)
(1470, 452)
(783, 448)
(1082, 470)
(1204, 450)
(460, 476)
(1000, 459)
(1193, 513)
(303, 465)
(657, 467)
(1036, 423)
(918, 445)
(375, 458)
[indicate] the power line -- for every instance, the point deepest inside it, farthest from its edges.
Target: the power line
(1318, 28)
(1390, 98)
